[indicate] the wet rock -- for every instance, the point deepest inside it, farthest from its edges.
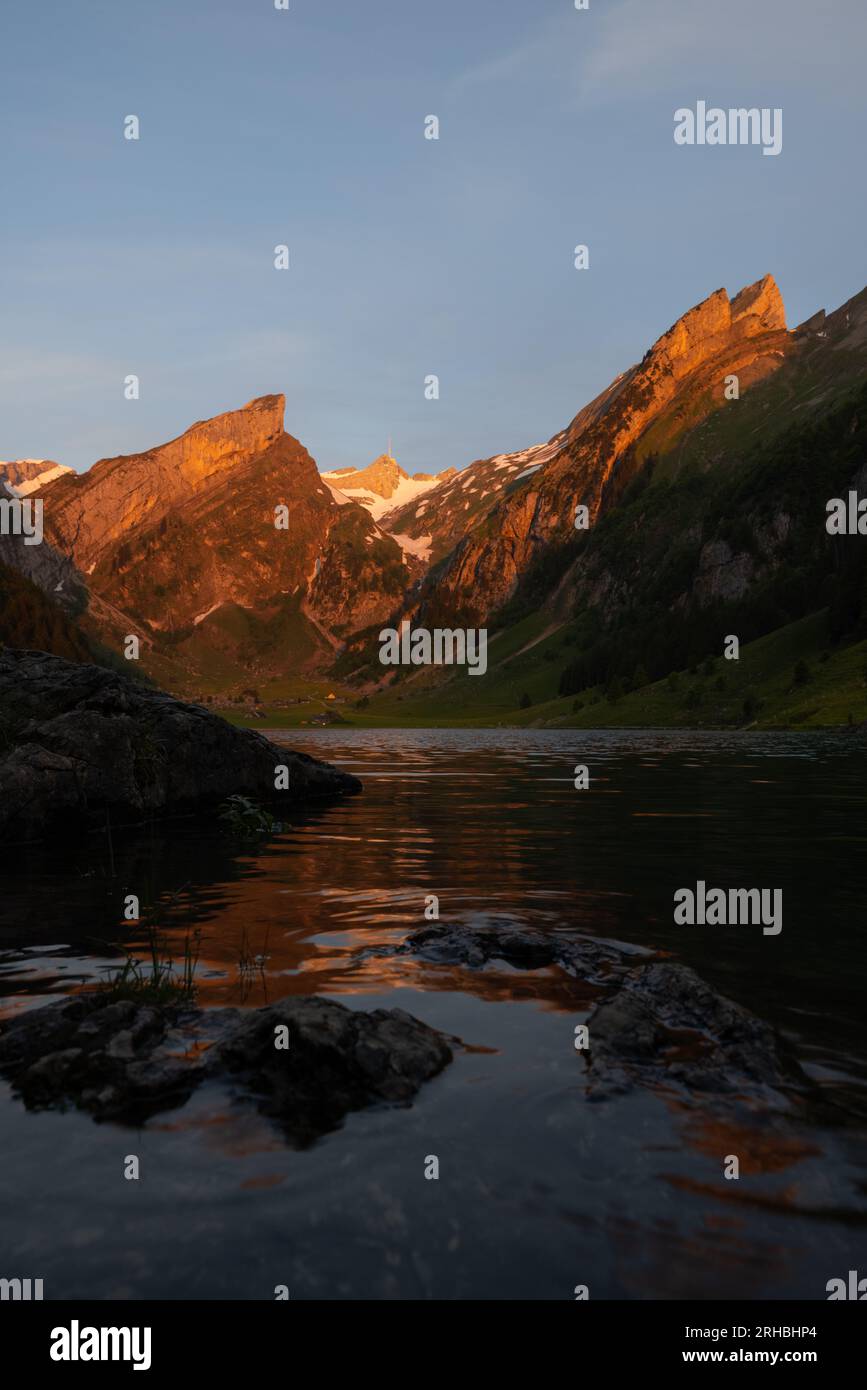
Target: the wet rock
(125, 1061)
(338, 1060)
(82, 743)
(667, 1024)
(525, 948)
(658, 1024)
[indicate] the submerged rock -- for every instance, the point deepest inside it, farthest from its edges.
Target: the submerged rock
(667, 1024)
(126, 1061)
(338, 1060)
(658, 1024)
(527, 948)
(80, 743)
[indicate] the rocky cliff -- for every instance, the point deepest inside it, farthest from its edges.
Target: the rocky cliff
(223, 545)
(680, 380)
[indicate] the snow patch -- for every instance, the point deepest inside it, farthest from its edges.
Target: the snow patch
(339, 497)
(406, 491)
(419, 546)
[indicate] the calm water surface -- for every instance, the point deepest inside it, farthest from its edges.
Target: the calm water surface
(540, 1188)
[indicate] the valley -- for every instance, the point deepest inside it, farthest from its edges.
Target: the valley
(705, 475)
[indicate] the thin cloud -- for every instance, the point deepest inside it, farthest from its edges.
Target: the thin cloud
(634, 49)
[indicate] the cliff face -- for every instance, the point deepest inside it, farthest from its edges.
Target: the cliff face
(680, 380)
(119, 496)
(173, 542)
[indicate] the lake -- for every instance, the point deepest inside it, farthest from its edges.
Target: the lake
(540, 1189)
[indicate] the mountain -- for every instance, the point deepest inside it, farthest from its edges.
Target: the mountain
(704, 470)
(28, 475)
(382, 485)
(707, 511)
(680, 380)
(178, 545)
(433, 525)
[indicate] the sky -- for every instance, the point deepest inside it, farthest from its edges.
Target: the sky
(408, 257)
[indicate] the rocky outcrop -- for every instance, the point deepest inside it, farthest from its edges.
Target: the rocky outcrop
(82, 743)
(721, 573)
(122, 1060)
(657, 1022)
(666, 1025)
(522, 947)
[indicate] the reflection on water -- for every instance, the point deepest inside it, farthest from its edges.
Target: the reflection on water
(540, 1189)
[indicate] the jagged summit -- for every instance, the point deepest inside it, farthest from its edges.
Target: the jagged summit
(382, 485)
(679, 379)
(717, 324)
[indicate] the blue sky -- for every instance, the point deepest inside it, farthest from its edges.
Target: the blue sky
(408, 256)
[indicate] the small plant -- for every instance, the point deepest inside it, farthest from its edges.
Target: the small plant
(251, 965)
(246, 820)
(801, 673)
(155, 978)
(156, 981)
(526, 702)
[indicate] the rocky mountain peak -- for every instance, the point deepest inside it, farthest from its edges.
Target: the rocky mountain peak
(382, 477)
(761, 302)
(89, 511)
(714, 325)
(210, 445)
(28, 475)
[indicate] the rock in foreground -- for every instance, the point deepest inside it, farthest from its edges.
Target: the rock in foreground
(79, 742)
(658, 1023)
(125, 1061)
